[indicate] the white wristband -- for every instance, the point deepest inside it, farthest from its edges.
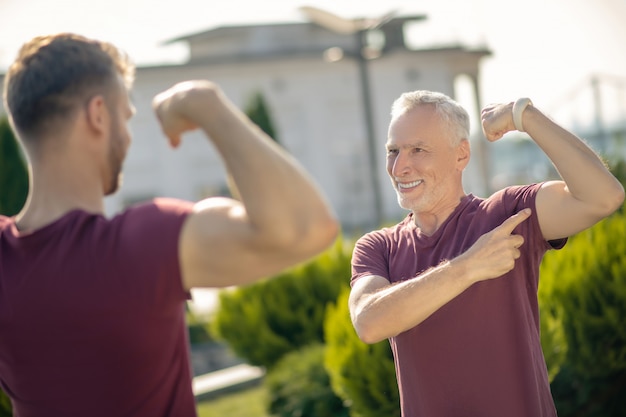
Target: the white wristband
(518, 108)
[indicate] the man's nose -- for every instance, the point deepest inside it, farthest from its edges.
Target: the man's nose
(400, 165)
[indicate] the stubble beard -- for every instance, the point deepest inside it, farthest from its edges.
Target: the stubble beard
(116, 160)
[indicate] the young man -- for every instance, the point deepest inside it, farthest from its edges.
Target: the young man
(92, 308)
(454, 285)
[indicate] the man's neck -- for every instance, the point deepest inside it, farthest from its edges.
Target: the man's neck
(51, 198)
(428, 222)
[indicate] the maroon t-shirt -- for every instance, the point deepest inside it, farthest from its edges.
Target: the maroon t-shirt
(480, 354)
(92, 318)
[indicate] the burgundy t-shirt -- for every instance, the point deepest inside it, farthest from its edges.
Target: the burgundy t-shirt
(92, 318)
(479, 354)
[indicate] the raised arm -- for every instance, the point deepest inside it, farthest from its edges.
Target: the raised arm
(380, 310)
(282, 218)
(587, 193)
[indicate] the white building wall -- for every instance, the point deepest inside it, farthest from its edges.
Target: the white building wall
(317, 110)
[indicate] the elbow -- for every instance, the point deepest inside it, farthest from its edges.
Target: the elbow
(316, 236)
(304, 236)
(613, 200)
(368, 333)
(370, 339)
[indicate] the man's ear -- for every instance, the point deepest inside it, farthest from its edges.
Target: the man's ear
(463, 154)
(97, 114)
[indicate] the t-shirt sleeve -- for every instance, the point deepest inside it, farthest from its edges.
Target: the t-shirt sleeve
(150, 235)
(517, 198)
(370, 257)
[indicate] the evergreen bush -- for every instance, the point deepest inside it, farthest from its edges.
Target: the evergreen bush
(263, 321)
(583, 314)
(363, 375)
(299, 386)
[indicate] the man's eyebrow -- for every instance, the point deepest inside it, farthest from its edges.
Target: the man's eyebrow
(416, 144)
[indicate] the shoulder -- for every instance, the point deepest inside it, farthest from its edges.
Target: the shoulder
(510, 200)
(386, 235)
(160, 207)
(516, 193)
(155, 212)
(154, 221)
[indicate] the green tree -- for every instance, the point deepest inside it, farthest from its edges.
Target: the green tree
(257, 110)
(362, 375)
(13, 172)
(264, 321)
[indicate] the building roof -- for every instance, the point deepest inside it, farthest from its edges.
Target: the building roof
(245, 43)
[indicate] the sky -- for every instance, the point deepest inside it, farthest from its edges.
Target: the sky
(544, 49)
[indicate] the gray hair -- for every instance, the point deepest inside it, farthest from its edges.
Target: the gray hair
(452, 113)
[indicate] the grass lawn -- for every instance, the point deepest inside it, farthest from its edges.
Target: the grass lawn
(247, 403)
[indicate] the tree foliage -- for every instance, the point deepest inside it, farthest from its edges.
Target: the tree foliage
(13, 172)
(257, 110)
(262, 322)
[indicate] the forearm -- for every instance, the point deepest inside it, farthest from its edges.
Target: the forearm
(584, 173)
(402, 306)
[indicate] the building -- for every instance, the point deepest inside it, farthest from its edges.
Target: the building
(317, 106)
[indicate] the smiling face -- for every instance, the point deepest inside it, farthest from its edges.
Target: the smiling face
(424, 165)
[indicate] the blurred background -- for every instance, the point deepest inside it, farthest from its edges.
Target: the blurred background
(320, 76)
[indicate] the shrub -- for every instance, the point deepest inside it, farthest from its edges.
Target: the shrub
(363, 375)
(299, 386)
(266, 320)
(583, 309)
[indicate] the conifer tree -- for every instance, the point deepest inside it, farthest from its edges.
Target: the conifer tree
(258, 111)
(13, 172)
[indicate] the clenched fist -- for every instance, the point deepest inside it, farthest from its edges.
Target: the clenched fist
(497, 119)
(182, 107)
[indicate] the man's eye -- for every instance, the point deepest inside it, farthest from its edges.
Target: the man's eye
(392, 151)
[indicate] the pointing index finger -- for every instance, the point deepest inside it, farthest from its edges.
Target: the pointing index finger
(512, 222)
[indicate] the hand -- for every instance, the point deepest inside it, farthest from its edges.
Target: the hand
(180, 108)
(497, 119)
(494, 253)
